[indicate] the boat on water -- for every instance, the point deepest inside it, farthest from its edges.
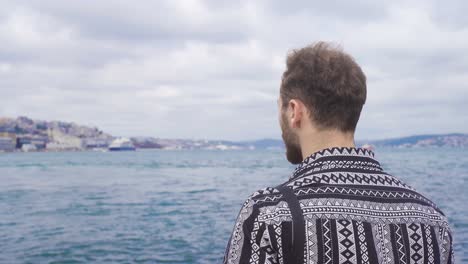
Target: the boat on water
(369, 147)
(121, 144)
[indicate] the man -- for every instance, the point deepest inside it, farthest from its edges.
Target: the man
(350, 209)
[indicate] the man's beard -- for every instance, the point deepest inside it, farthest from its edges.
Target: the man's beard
(291, 142)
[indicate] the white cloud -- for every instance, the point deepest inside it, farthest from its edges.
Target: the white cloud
(5, 67)
(157, 68)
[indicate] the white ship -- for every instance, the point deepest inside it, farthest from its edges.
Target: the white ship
(121, 144)
(368, 146)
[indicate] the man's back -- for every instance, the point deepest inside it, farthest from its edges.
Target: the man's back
(354, 213)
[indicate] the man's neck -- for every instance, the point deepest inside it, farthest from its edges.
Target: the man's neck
(325, 139)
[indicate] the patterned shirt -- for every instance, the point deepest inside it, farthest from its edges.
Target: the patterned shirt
(354, 212)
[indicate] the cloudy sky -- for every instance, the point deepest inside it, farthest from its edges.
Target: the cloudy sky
(211, 69)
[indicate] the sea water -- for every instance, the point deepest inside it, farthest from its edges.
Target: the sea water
(160, 206)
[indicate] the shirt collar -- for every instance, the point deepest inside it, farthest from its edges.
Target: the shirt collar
(314, 161)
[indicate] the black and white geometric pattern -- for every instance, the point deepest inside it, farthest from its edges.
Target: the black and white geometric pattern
(363, 251)
(354, 212)
(346, 245)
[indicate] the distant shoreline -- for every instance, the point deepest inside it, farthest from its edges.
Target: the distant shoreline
(221, 150)
(23, 134)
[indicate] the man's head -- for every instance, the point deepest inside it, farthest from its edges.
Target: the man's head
(322, 90)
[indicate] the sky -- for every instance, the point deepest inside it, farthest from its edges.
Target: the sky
(212, 69)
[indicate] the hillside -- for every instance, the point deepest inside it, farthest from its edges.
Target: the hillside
(49, 135)
(25, 134)
(443, 140)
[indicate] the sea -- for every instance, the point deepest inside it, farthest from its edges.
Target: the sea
(172, 206)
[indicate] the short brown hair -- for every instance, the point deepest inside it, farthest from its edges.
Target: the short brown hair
(329, 82)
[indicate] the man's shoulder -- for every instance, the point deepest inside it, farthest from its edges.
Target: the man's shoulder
(263, 195)
(378, 188)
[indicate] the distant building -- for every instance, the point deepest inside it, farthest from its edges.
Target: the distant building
(8, 135)
(91, 143)
(6, 127)
(38, 142)
(59, 141)
(7, 144)
(20, 141)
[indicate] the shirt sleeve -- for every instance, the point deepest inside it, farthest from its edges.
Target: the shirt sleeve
(451, 259)
(249, 239)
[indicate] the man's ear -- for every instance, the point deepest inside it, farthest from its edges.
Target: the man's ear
(296, 108)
